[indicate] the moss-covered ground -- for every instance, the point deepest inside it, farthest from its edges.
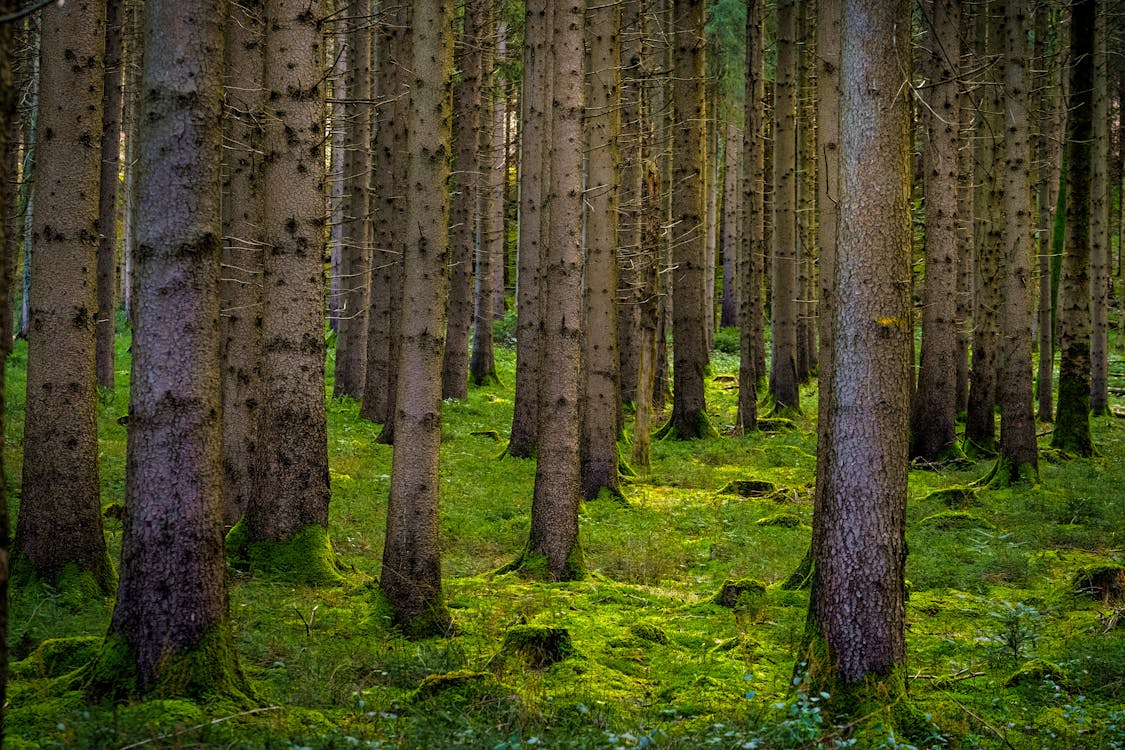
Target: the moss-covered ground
(1003, 651)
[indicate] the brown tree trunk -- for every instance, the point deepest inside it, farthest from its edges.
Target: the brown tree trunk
(629, 251)
(482, 364)
(171, 617)
(59, 525)
(240, 288)
(807, 160)
(965, 227)
(1049, 151)
(856, 608)
(728, 238)
(411, 575)
(1099, 224)
(933, 429)
(601, 392)
(355, 244)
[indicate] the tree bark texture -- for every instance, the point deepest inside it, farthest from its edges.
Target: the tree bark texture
(240, 288)
(1072, 415)
(728, 238)
(965, 227)
(172, 601)
(411, 574)
(482, 363)
(859, 550)
(1099, 222)
(1049, 163)
(807, 163)
(59, 523)
(933, 429)
(630, 191)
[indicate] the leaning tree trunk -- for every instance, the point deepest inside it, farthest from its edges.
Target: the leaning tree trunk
(856, 622)
(1072, 416)
(59, 527)
(170, 631)
(411, 575)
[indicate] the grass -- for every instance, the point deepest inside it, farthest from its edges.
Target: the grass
(655, 662)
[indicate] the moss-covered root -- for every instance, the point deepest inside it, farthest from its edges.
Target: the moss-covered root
(539, 646)
(801, 578)
(461, 688)
(956, 498)
(1007, 472)
(208, 671)
(700, 429)
(305, 558)
(1102, 581)
(432, 620)
(75, 587)
(56, 657)
(534, 564)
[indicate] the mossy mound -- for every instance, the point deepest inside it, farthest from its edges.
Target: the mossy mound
(784, 520)
(55, 657)
(75, 588)
(776, 424)
(956, 498)
(953, 520)
(461, 687)
(306, 558)
(1102, 581)
(539, 645)
(646, 631)
(744, 594)
(1035, 672)
(749, 488)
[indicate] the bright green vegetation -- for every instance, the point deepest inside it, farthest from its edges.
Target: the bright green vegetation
(1002, 646)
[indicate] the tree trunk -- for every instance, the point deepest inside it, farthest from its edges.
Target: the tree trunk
(134, 58)
(629, 258)
(933, 429)
(59, 528)
(240, 288)
(807, 159)
(601, 393)
(856, 609)
(482, 365)
(355, 244)
(411, 575)
(1072, 416)
(1049, 150)
(1099, 224)
(784, 381)
(728, 243)
(105, 324)
(965, 227)
(689, 405)
(170, 631)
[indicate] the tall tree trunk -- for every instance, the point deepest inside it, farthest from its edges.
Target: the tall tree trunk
(411, 575)
(933, 429)
(963, 315)
(629, 260)
(1072, 416)
(728, 241)
(59, 528)
(1049, 151)
(482, 365)
(355, 244)
(498, 177)
(807, 159)
(784, 379)
(856, 609)
(468, 108)
(553, 549)
(534, 185)
(711, 188)
(602, 386)
(752, 247)
(1099, 224)
(1019, 457)
(170, 631)
(105, 324)
(240, 288)
(689, 404)
(337, 52)
(286, 521)
(134, 58)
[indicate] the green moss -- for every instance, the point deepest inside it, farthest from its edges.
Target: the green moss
(58, 656)
(1035, 672)
(75, 588)
(539, 645)
(1007, 472)
(460, 687)
(530, 564)
(703, 430)
(784, 520)
(949, 520)
(742, 595)
(957, 498)
(776, 424)
(1102, 581)
(801, 577)
(305, 558)
(749, 488)
(647, 631)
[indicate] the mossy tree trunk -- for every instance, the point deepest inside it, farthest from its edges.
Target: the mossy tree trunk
(59, 525)
(856, 610)
(689, 402)
(105, 325)
(468, 108)
(8, 114)
(752, 247)
(490, 232)
(171, 610)
(1049, 163)
(411, 574)
(534, 213)
(558, 485)
(1019, 455)
(355, 245)
(807, 164)
(240, 289)
(784, 383)
(1072, 415)
(1099, 222)
(291, 492)
(933, 430)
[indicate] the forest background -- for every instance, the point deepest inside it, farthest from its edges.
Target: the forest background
(604, 220)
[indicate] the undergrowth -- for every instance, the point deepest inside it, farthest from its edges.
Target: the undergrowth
(1003, 651)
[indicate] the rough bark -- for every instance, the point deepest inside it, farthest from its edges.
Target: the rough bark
(630, 191)
(59, 525)
(784, 379)
(1049, 157)
(689, 405)
(240, 289)
(169, 631)
(411, 574)
(728, 238)
(105, 324)
(965, 228)
(134, 58)
(856, 608)
(602, 381)
(933, 430)
(1099, 223)
(355, 244)
(807, 192)
(1072, 414)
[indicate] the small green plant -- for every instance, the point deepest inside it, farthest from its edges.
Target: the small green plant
(1016, 634)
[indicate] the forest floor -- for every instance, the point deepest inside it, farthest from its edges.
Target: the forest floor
(1002, 650)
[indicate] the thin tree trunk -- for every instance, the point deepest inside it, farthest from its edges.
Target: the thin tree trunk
(482, 364)
(728, 243)
(1049, 151)
(629, 260)
(337, 52)
(1099, 225)
(134, 59)
(806, 191)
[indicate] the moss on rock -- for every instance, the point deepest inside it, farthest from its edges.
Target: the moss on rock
(1103, 581)
(461, 687)
(306, 558)
(957, 498)
(539, 645)
(749, 488)
(55, 657)
(1035, 672)
(743, 595)
(784, 520)
(647, 631)
(950, 520)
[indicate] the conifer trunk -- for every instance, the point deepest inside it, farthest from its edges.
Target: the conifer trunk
(105, 326)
